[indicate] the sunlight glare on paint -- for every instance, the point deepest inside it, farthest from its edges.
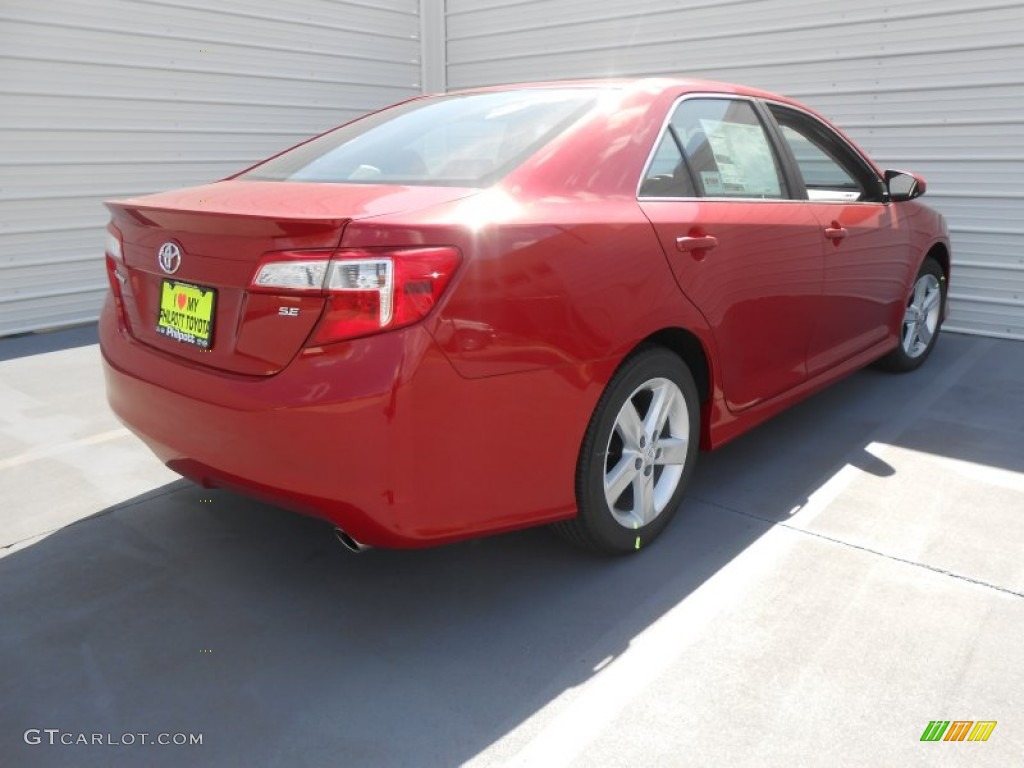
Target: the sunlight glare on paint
(494, 206)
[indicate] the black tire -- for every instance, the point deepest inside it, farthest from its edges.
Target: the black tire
(659, 462)
(912, 351)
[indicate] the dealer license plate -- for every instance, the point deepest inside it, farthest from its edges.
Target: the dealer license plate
(186, 313)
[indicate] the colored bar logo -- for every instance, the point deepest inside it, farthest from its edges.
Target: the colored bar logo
(958, 730)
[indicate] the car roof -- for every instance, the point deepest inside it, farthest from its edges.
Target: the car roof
(654, 85)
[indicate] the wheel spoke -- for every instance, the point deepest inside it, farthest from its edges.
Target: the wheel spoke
(672, 450)
(924, 333)
(643, 498)
(930, 301)
(909, 336)
(920, 289)
(629, 426)
(657, 414)
(619, 478)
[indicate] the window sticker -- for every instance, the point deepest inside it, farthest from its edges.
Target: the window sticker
(744, 159)
(712, 182)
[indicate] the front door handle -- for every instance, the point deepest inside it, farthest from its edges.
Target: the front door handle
(703, 243)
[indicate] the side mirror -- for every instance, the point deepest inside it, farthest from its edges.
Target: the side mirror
(903, 185)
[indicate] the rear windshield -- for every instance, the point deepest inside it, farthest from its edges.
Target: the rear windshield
(461, 140)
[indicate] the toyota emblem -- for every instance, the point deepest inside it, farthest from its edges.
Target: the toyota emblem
(169, 257)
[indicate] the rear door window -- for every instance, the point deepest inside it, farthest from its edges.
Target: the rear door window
(667, 175)
(727, 149)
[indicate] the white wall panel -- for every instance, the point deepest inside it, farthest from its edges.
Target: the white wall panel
(934, 85)
(121, 97)
(110, 98)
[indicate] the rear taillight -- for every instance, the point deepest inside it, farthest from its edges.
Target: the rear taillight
(113, 246)
(293, 271)
(361, 294)
(116, 270)
(367, 291)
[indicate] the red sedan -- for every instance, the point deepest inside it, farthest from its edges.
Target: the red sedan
(512, 306)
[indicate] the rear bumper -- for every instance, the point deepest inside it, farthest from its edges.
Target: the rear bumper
(380, 436)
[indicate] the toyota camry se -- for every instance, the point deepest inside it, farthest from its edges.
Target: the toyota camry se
(513, 306)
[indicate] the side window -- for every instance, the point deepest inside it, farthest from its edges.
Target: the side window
(832, 172)
(727, 149)
(821, 173)
(667, 175)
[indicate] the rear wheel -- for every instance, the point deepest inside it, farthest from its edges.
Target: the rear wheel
(922, 319)
(637, 455)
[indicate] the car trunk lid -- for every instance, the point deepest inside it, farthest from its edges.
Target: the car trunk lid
(189, 257)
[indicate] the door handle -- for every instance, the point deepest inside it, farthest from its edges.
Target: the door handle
(835, 232)
(703, 243)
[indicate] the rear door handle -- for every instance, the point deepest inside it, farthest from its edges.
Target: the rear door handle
(696, 243)
(836, 232)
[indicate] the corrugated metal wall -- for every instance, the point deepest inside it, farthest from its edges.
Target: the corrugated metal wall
(119, 97)
(108, 98)
(933, 85)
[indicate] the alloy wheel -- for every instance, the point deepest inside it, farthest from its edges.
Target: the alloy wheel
(646, 453)
(921, 319)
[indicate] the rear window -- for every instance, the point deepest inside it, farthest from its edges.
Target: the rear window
(461, 140)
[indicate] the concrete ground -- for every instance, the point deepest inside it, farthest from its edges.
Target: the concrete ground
(836, 580)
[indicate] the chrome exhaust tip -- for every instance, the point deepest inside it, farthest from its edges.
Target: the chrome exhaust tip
(349, 543)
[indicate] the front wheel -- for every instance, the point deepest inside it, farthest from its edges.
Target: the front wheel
(922, 319)
(638, 452)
